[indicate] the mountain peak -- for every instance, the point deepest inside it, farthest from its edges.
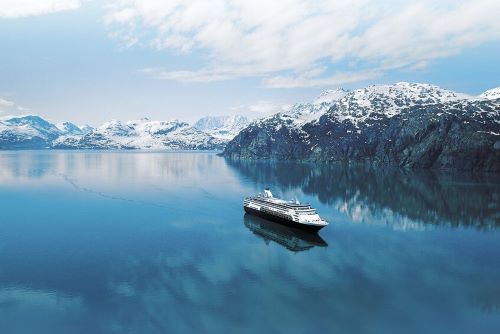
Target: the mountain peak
(391, 99)
(30, 130)
(415, 90)
(68, 128)
(331, 95)
(22, 118)
(491, 94)
(31, 120)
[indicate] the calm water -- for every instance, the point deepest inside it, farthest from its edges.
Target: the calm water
(143, 243)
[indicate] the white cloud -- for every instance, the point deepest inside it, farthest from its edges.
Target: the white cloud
(6, 103)
(21, 8)
(307, 81)
(10, 107)
(260, 108)
(187, 76)
(292, 43)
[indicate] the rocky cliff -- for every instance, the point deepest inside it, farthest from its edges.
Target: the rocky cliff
(405, 124)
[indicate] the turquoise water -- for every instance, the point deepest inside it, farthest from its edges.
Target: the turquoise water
(144, 242)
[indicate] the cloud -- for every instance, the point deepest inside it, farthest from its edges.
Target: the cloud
(339, 78)
(22, 8)
(10, 107)
(6, 103)
(261, 108)
(282, 40)
(187, 76)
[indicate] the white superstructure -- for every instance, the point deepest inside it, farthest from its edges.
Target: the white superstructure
(285, 211)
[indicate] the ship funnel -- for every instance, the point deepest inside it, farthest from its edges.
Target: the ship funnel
(268, 193)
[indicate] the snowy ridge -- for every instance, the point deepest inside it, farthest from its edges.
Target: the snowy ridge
(331, 95)
(69, 128)
(145, 134)
(371, 103)
(389, 100)
(491, 94)
(29, 125)
(32, 131)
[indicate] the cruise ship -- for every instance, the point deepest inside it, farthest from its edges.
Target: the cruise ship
(289, 213)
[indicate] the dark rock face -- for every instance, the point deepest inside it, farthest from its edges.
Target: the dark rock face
(461, 134)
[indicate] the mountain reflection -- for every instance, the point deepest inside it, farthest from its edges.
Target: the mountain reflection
(290, 238)
(390, 195)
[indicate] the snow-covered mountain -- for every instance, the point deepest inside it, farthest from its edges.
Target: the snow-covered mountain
(34, 132)
(405, 124)
(368, 103)
(143, 134)
(389, 100)
(223, 127)
(28, 131)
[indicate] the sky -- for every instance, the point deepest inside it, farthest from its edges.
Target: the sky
(90, 61)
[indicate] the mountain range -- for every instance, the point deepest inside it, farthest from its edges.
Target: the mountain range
(403, 124)
(34, 132)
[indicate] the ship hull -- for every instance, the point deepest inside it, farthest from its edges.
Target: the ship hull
(283, 221)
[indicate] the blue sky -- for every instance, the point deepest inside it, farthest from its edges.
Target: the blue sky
(92, 61)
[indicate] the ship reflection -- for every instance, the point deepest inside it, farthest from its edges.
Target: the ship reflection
(292, 239)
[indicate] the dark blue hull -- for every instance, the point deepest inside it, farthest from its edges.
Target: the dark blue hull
(283, 221)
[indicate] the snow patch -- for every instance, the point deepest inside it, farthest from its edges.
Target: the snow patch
(491, 94)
